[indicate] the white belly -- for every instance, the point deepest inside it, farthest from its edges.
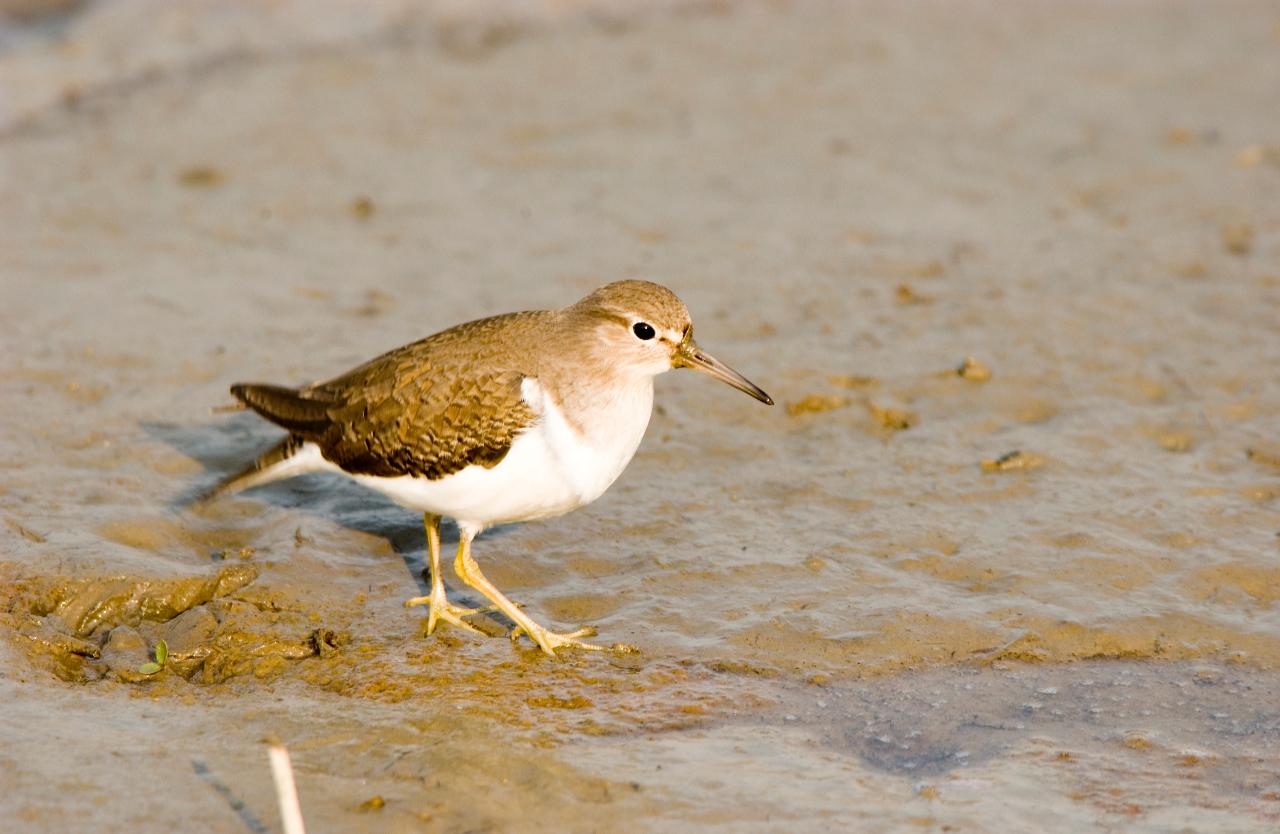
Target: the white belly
(551, 468)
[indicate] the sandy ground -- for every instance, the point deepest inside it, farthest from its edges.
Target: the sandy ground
(1038, 591)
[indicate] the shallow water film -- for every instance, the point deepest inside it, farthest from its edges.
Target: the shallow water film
(1004, 557)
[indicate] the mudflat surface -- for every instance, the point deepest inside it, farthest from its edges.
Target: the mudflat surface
(1034, 590)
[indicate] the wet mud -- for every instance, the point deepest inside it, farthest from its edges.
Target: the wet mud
(1003, 558)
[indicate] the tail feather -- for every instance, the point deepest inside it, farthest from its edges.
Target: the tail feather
(286, 407)
(280, 461)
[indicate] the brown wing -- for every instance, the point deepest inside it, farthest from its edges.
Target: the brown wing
(427, 409)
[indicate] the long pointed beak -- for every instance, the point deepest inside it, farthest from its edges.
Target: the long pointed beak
(689, 355)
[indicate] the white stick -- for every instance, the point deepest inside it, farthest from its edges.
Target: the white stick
(286, 790)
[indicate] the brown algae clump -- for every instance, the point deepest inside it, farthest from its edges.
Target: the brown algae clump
(852, 381)
(1013, 460)
(134, 628)
(893, 419)
(362, 208)
(904, 294)
(201, 176)
(93, 604)
(816, 404)
(973, 370)
(1237, 238)
(1264, 456)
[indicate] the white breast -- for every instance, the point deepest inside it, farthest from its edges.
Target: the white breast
(552, 467)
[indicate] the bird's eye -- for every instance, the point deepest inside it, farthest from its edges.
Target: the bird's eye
(643, 330)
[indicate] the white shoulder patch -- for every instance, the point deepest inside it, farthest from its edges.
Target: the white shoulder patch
(533, 395)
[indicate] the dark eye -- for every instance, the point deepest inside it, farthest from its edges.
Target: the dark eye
(643, 330)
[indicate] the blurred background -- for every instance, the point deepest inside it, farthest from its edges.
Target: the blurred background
(1006, 556)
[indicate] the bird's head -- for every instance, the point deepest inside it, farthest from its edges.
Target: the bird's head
(645, 327)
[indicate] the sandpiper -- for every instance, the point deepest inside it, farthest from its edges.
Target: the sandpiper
(517, 417)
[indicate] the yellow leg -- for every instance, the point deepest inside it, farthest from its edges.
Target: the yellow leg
(469, 572)
(440, 607)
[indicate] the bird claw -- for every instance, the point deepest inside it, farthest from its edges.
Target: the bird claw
(442, 609)
(549, 641)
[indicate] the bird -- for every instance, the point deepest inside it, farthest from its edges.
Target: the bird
(513, 418)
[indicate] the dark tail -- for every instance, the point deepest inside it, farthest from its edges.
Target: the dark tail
(286, 407)
(303, 417)
(267, 468)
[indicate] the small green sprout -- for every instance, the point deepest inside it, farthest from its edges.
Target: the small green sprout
(162, 658)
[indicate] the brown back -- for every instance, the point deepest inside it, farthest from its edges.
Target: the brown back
(430, 408)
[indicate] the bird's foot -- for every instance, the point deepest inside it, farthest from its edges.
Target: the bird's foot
(442, 609)
(549, 641)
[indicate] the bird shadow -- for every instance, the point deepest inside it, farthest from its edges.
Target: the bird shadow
(228, 445)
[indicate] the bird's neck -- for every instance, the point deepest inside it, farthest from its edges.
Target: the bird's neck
(594, 392)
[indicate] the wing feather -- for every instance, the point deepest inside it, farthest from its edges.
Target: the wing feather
(427, 409)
